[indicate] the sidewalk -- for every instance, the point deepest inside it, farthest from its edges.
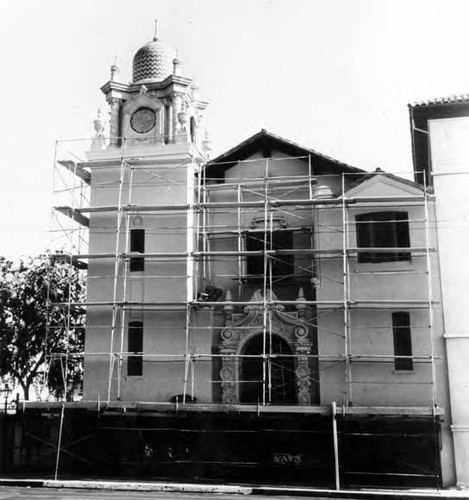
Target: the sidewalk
(367, 494)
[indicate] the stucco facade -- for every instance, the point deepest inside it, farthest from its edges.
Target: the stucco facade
(202, 310)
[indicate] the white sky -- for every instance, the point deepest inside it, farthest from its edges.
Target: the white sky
(335, 75)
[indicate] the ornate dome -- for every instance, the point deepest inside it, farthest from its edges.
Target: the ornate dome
(153, 62)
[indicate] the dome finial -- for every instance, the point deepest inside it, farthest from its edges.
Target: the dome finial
(155, 36)
(177, 64)
(114, 69)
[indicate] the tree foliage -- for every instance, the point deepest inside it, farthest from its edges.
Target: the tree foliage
(41, 334)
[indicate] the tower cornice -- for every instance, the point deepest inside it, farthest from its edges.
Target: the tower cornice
(171, 80)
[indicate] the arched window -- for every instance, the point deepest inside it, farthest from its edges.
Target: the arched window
(278, 370)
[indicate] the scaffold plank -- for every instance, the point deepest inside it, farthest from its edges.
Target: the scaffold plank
(77, 169)
(74, 214)
(236, 253)
(355, 304)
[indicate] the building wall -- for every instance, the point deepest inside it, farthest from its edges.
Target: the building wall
(374, 382)
(449, 163)
(167, 283)
(162, 288)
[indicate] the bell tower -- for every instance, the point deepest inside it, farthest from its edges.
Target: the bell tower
(141, 272)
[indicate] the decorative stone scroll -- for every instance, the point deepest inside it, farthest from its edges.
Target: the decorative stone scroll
(242, 327)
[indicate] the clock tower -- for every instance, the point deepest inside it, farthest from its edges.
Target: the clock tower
(141, 276)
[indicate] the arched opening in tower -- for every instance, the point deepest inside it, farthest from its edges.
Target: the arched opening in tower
(193, 130)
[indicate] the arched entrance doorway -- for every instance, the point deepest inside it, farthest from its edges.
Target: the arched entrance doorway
(279, 371)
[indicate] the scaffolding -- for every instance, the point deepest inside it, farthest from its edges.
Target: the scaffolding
(281, 310)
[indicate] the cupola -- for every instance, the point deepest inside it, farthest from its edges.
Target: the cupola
(153, 62)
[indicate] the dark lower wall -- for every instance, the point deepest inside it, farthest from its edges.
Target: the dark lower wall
(229, 447)
(3, 448)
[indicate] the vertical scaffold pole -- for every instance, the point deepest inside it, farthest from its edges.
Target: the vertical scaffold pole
(51, 263)
(266, 271)
(430, 294)
(270, 261)
(115, 309)
(59, 438)
(124, 287)
(314, 223)
(336, 446)
(64, 367)
(206, 271)
(240, 243)
(187, 356)
(200, 235)
(431, 325)
(190, 171)
(346, 298)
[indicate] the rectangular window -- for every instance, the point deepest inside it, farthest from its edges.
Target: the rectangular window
(281, 261)
(135, 346)
(137, 244)
(402, 341)
(383, 230)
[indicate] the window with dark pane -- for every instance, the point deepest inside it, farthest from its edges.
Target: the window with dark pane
(383, 230)
(137, 244)
(282, 262)
(135, 349)
(402, 341)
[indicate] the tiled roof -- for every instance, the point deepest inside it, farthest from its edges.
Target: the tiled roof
(453, 99)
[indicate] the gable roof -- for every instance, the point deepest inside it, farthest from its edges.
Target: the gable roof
(381, 173)
(265, 142)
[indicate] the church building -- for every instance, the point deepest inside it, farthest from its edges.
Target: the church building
(268, 315)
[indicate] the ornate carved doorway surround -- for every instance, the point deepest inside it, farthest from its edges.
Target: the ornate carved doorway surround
(241, 328)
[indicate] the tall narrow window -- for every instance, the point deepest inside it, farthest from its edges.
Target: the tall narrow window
(383, 230)
(137, 244)
(402, 341)
(282, 263)
(135, 346)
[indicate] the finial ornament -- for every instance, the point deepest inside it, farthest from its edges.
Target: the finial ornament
(176, 65)
(155, 36)
(195, 90)
(207, 143)
(99, 141)
(228, 308)
(114, 69)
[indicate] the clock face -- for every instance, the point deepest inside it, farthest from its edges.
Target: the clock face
(143, 120)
